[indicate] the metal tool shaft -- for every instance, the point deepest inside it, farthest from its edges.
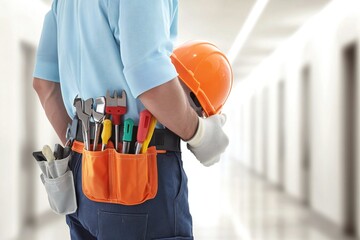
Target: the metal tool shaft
(103, 147)
(98, 115)
(138, 148)
(126, 147)
(117, 137)
(97, 135)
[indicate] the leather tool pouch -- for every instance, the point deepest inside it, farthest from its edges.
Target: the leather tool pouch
(112, 177)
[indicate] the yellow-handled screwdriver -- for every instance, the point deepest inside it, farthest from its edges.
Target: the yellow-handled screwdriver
(149, 135)
(106, 133)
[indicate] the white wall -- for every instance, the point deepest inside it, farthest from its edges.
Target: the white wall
(20, 23)
(318, 43)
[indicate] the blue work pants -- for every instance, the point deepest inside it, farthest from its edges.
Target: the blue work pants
(166, 217)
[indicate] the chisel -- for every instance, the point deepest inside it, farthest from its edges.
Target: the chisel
(47, 152)
(50, 167)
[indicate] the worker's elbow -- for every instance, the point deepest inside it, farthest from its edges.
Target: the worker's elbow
(42, 86)
(37, 85)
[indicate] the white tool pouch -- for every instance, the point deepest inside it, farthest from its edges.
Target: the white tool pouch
(59, 184)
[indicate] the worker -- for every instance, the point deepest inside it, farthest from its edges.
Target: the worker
(88, 47)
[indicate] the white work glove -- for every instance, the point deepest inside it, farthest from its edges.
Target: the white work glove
(209, 140)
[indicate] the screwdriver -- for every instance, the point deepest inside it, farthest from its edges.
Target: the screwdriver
(106, 133)
(127, 136)
(144, 124)
(149, 134)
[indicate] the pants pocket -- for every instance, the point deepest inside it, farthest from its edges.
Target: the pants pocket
(122, 226)
(61, 193)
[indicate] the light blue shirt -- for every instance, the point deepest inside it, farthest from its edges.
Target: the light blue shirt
(91, 46)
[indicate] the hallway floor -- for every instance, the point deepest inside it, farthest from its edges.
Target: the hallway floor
(229, 203)
(252, 209)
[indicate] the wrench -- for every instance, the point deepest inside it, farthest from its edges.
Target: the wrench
(99, 116)
(71, 131)
(81, 107)
(116, 107)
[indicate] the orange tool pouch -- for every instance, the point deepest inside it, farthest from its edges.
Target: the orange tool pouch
(112, 177)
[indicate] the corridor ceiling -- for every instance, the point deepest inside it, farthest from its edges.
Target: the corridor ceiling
(220, 21)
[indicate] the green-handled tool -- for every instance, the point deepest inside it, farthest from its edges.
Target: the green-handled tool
(127, 136)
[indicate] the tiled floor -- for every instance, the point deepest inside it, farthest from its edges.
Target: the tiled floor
(229, 203)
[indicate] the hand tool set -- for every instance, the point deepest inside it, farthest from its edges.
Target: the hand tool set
(105, 165)
(100, 112)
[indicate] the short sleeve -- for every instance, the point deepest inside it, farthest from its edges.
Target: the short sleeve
(146, 43)
(46, 66)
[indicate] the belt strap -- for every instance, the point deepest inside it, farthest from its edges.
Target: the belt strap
(163, 139)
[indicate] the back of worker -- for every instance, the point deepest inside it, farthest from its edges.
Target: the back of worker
(99, 45)
(89, 47)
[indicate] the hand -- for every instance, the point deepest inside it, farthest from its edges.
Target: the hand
(209, 140)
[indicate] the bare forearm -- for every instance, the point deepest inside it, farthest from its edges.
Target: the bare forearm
(170, 106)
(51, 100)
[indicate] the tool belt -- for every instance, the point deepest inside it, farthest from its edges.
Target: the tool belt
(112, 177)
(125, 171)
(129, 179)
(162, 139)
(128, 176)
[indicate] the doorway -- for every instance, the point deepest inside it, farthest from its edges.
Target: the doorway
(265, 122)
(27, 169)
(253, 132)
(350, 61)
(306, 130)
(281, 134)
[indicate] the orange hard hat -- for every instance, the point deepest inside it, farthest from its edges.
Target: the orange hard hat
(206, 71)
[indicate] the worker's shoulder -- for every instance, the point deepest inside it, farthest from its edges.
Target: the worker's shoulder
(81, 6)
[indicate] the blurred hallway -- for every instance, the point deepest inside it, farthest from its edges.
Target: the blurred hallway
(250, 209)
(291, 171)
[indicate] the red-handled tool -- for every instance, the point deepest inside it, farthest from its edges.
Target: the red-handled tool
(149, 135)
(143, 128)
(116, 107)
